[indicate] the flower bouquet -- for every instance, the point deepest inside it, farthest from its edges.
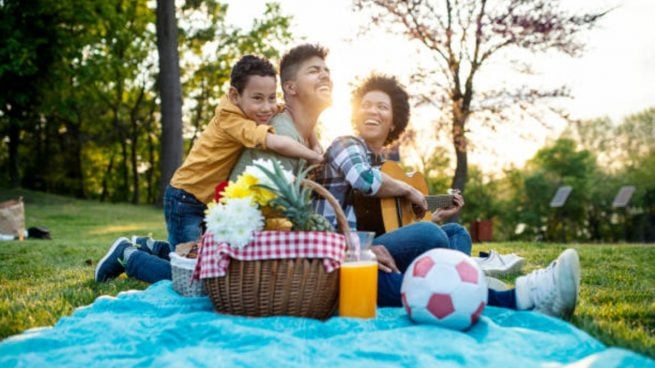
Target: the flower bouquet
(264, 197)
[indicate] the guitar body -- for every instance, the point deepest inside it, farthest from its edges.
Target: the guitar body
(382, 215)
(397, 212)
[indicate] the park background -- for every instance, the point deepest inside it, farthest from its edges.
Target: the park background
(83, 116)
(565, 102)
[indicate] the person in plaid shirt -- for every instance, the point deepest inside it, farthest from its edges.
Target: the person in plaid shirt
(380, 116)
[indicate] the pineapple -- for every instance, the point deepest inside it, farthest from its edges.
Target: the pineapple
(294, 202)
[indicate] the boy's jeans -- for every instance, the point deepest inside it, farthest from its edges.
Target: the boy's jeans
(184, 215)
(147, 267)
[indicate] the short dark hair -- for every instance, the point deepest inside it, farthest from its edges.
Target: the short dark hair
(296, 56)
(399, 101)
(248, 66)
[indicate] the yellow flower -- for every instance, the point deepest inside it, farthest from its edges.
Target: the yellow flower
(237, 189)
(263, 196)
(245, 187)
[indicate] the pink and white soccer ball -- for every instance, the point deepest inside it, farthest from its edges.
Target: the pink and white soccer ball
(444, 287)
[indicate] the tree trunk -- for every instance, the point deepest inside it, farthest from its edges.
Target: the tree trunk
(14, 139)
(170, 91)
(135, 165)
(78, 170)
(459, 143)
(134, 132)
(151, 154)
(105, 179)
(125, 171)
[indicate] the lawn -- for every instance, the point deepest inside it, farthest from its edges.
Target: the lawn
(43, 280)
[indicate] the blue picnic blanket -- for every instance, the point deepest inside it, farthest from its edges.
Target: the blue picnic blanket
(158, 327)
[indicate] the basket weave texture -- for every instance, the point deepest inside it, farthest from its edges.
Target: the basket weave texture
(181, 274)
(292, 287)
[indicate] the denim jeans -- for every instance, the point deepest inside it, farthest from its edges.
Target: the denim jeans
(148, 267)
(408, 242)
(184, 215)
(389, 292)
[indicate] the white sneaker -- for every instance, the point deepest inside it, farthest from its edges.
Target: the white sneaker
(500, 264)
(552, 290)
(495, 284)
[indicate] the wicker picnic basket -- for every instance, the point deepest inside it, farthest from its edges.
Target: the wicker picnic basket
(181, 275)
(292, 287)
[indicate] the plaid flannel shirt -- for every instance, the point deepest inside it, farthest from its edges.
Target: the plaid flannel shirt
(350, 165)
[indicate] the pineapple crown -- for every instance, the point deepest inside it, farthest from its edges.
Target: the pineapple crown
(293, 192)
(293, 199)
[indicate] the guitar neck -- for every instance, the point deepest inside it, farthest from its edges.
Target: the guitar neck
(439, 201)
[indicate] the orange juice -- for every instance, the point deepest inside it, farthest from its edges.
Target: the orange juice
(358, 289)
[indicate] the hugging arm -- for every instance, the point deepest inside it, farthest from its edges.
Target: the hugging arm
(289, 147)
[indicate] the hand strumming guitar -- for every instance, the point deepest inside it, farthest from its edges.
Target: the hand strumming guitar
(418, 201)
(442, 214)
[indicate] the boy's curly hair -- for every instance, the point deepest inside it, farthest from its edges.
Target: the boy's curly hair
(399, 101)
(296, 56)
(247, 66)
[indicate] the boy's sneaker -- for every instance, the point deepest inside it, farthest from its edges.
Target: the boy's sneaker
(141, 243)
(111, 266)
(553, 290)
(149, 245)
(496, 264)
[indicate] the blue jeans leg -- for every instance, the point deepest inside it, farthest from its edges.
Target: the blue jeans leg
(408, 242)
(389, 292)
(147, 267)
(458, 237)
(184, 215)
(389, 289)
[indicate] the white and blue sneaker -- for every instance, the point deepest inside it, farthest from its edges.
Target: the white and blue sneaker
(552, 290)
(111, 265)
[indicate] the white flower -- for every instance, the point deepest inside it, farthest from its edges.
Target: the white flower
(234, 222)
(262, 178)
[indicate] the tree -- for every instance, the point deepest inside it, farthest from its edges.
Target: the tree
(561, 163)
(170, 92)
(463, 36)
(28, 47)
(636, 137)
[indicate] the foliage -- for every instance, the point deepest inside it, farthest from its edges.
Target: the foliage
(464, 36)
(82, 116)
(554, 166)
(482, 197)
(43, 281)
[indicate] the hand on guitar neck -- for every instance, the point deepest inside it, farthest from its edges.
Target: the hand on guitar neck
(445, 212)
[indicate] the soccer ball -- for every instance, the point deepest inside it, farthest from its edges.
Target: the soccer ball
(444, 287)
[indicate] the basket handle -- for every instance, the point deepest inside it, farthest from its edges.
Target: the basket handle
(342, 221)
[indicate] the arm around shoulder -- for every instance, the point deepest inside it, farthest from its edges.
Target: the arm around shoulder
(289, 147)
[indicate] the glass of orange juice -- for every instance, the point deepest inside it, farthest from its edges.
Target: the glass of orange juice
(358, 278)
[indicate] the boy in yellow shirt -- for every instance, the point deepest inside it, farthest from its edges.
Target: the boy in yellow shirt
(241, 120)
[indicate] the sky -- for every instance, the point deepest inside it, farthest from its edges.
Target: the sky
(615, 76)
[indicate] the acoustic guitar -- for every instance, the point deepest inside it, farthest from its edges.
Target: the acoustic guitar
(382, 215)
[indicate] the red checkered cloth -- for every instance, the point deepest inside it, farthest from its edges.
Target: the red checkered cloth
(214, 257)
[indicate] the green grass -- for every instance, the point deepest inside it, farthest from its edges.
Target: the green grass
(41, 281)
